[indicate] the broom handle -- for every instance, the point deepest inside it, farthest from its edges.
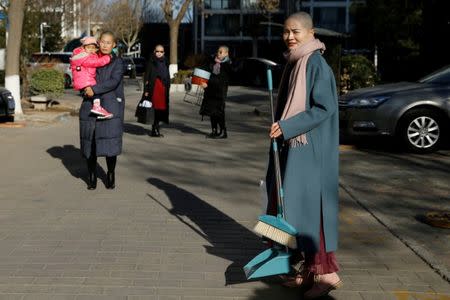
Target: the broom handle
(276, 156)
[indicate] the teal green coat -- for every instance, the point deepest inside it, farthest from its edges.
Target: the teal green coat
(310, 172)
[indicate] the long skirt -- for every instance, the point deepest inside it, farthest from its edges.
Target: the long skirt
(322, 262)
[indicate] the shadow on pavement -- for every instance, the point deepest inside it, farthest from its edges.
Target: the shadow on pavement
(71, 158)
(229, 239)
(135, 129)
(278, 292)
(184, 128)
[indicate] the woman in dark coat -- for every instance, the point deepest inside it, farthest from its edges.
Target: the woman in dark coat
(157, 87)
(308, 132)
(104, 137)
(216, 90)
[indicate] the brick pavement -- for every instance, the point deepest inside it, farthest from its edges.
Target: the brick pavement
(178, 225)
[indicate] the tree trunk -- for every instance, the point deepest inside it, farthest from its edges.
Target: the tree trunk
(12, 79)
(174, 28)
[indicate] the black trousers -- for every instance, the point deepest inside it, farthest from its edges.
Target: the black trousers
(92, 160)
(218, 120)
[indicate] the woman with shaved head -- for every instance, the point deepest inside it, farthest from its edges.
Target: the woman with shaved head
(308, 133)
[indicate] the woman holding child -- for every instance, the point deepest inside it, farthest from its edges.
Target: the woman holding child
(103, 137)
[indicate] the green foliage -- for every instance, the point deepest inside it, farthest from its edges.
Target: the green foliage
(333, 56)
(181, 76)
(396, 29)
(46, 81)
(357, 72)
(34, 15)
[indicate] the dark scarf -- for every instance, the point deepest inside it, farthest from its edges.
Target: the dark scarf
(161, 70)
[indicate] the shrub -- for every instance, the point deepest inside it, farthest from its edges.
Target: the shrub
(46, 81)
(181, 76)
(357, 72)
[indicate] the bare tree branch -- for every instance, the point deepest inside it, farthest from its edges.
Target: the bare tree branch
(125, 19)
(183, 10)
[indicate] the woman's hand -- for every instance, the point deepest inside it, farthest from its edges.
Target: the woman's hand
(204, 85)
(275, 131)
(89, 91)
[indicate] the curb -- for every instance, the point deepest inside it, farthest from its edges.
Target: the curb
(53, 118)
(421, 252)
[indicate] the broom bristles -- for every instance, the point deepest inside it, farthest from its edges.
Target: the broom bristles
(275, 234)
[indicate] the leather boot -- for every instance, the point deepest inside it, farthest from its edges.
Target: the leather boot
(110, 180)
(158, 133)
(92, 181)
(213, 134)
(223, 134)
(154, 133)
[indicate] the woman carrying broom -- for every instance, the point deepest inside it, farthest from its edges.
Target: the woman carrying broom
(308, 133)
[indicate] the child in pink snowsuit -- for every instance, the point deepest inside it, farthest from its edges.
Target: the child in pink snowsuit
(84, 63)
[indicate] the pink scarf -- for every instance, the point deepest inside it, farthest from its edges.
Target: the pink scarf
(296, 92)
(216, 67)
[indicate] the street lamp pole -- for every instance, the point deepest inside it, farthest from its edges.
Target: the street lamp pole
(41, 31)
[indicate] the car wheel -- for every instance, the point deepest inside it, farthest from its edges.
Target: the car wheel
(67, 81)
(422, 130)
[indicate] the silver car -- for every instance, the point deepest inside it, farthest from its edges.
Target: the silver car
(417, 113)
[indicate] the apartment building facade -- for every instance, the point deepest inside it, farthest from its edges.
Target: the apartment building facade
(242, 25)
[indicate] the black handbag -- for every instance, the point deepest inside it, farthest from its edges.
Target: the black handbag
(144, 111)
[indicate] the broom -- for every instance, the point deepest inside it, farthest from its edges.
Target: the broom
(276, 228)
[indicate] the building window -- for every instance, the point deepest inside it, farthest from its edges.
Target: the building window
(222, 25)
(222, 4)
(330, 18)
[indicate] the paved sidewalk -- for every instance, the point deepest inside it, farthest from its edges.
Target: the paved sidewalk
(178, 225)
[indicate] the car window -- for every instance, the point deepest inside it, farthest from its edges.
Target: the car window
(441, 76)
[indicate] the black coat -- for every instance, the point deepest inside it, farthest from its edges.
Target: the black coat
(215, 94)
(108, 133)
(149, 84)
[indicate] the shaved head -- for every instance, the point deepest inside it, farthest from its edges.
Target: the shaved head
(304, 19)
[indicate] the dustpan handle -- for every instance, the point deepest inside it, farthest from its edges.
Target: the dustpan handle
(276, 156)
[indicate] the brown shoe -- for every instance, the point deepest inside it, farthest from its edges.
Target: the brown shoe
(323, 285)
(300, 280)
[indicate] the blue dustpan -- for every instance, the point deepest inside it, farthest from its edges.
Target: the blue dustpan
(270, 262)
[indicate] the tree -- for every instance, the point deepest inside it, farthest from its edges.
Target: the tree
(395, 28)
(125, 19)
(12, 80)
(174, 22)
(264, 8)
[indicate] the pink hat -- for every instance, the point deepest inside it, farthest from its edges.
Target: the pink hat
(89, 40)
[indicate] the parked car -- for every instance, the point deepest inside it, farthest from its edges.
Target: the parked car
(416, 113)
(60, 60)
(7, 105)
(134, 66)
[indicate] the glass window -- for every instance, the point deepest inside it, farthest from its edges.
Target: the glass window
(222, 25)
(441, 76)
(253, 27)
(249, 4)
(330, 18)
(222, 4)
